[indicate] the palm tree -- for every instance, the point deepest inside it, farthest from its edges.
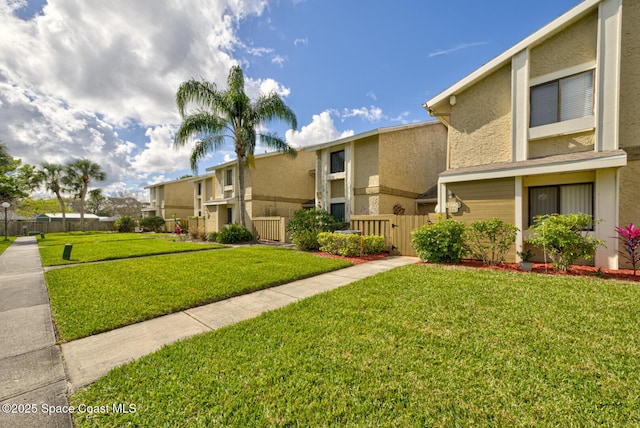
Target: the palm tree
(79, 175)
(52, 175)
(230, 114)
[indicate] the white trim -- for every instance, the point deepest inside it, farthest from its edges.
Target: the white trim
(519, 216)
(553, 27)
(520, 106)
(560, 74)
(552, 168)
(607, 79)
(565, 127)
(606, 211)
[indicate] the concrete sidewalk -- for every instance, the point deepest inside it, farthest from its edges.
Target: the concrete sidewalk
(31, 370)
(88, 359)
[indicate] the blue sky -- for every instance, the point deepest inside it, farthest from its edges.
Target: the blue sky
(95, 79)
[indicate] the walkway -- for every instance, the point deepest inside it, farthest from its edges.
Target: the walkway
(31, 370)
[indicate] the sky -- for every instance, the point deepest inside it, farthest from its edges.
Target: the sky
(97, 79)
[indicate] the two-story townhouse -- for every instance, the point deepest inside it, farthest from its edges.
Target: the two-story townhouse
(169, 199)
(276, 185)
(550, 126)
(375, 171)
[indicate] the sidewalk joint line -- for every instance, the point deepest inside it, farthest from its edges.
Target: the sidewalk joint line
(197, 320)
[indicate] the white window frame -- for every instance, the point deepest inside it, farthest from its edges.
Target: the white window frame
(570, 126)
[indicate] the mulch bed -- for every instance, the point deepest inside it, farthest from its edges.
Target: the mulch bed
(576, 270)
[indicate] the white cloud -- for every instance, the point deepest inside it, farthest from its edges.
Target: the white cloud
(301, 41)
(280, 60)
(320, 130)
(457, 48)
(372, 95)
(159, 153)
(371, 114)
(81, 69)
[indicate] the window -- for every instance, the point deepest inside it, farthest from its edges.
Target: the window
(337, 161)
(199, 189)
(563, 99)
(228, 181)
(229, 215)
(337, 211)
(565, 199)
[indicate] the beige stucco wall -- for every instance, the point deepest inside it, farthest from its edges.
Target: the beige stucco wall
(629, 211)
(178, 199)
(573, 46)
(480, 130)
(563, 144)
(366, 164)
(279, 177)
(630, 75)
(412, 158)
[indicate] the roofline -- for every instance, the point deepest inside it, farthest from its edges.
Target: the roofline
(366, 134)
(577, 12)
(168, 182)
(234, 161)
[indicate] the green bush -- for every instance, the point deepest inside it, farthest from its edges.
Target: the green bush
(490, 240)
(305, 225)
(350, 245)
(373, 244)
(563, 238)
(441, 242)
(152, 224)
(212, 237)
(125, 224)
(233, 233)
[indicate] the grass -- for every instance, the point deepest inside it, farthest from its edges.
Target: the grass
(5, 244)
(96, 246)
(94, 298)
(416, 346)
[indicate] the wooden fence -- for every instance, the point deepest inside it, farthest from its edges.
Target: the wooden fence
(270, 228)
(24, 227)
(396, 229)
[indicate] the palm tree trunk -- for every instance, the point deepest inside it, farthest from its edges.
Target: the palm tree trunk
(64, 211)
(241, 206)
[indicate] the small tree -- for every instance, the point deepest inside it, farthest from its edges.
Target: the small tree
(125, 224)
(630, 238)
(152, 223)
(562, 238)
(490, 240)
(442, 242)
(305, 226)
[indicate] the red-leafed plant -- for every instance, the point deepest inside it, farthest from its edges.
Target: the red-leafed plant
(630, 237)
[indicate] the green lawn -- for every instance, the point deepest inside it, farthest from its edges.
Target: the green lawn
(94, 298)
(5, 244)
(96, 246)
(416, 346)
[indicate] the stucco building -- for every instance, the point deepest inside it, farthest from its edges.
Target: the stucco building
(169, 199)
(379, 171)
(550, 126)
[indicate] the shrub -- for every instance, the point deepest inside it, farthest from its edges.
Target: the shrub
(630, 238)
(490, 240)
(441, 242)
(350, 245)
(234, 233)
(125, 224)
(373, 244)
(562, 238)
(305, 225)
(212, 237)
(152, 224)
(193, 234)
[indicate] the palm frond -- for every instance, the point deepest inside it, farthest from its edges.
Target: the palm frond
(197, 125)
(196, 91)
(271, 106)
(272, 141)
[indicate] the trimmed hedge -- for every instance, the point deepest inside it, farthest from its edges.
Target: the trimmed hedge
(350, 245)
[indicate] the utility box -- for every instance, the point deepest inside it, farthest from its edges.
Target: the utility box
(66, 254)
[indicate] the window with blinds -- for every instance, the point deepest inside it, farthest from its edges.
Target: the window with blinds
(563, 199)
(563, 99)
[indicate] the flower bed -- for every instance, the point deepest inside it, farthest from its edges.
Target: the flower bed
(355, 260)
(576, 270)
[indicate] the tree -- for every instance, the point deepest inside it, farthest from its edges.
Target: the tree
(79, 175)
(230, 114)
(96, 201)
(52, 176)
(15, 181)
